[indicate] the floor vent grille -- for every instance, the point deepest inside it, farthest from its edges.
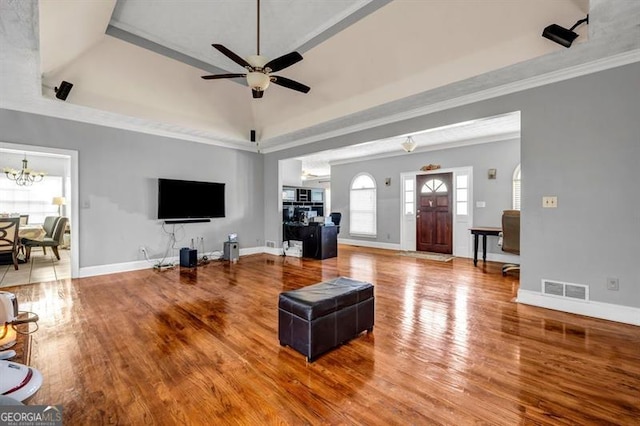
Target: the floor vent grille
(566, 290)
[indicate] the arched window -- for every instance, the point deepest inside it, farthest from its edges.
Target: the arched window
(434, 185)
(517, 188)
(362, 206)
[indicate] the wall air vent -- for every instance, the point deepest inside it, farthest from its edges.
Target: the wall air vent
(566, 290)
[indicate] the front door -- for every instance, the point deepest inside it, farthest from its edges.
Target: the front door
(434, 214)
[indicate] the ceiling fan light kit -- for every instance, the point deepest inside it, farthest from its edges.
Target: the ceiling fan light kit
(258, 80)
(259, 68)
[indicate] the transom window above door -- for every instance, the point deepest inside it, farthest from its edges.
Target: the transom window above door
(433, 185)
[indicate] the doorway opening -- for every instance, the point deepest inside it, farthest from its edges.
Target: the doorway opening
(58, 197)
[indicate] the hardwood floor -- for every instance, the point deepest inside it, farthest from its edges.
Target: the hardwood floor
(449, 347)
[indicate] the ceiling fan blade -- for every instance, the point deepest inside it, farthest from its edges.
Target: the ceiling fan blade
(229, 54)
(257, 93)
(217, 76)
(290, 84)
(283, 61)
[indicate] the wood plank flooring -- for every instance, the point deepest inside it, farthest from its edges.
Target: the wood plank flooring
(449, 347)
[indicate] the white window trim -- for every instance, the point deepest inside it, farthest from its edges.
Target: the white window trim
(374, 234)
(517, 177)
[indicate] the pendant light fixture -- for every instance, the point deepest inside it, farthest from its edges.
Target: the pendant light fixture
(409, 144)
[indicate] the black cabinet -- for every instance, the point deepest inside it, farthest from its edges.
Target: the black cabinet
(322, 243)
(318, 242)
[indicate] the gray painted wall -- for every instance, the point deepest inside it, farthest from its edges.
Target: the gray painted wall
(503, 156)
(118, 173)
(291, 172)
(580, 140)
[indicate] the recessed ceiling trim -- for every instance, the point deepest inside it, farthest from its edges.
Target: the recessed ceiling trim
(598, 65)
(512, 136)
(147, 44)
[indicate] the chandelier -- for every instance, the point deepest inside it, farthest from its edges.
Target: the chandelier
(24, 177)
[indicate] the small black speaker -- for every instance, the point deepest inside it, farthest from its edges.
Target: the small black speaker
(63, 91)
(188, 257)
(253, 136)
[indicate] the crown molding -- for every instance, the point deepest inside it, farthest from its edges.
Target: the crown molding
(79, 113)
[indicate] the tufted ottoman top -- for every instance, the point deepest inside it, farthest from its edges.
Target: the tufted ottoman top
(320, 299)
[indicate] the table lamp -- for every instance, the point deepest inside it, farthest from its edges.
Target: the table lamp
(59, 201)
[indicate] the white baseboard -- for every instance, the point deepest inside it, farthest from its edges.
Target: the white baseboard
(113, 268)
(91, 271)
(276, 251)
(365, 243)
(252, 250)
(502, 258)
(607, 311)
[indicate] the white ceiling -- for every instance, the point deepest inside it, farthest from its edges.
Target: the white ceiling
(358, 55)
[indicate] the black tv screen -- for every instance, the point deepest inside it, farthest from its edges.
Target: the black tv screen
(184, 199)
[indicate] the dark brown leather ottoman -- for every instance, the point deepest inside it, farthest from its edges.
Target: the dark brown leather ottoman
(320, 317)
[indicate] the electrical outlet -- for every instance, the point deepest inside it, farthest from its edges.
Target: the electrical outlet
(613, 284)
(549, 202)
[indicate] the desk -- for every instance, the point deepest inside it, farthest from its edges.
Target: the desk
(32, 232)
(318, 241)
(484, 231)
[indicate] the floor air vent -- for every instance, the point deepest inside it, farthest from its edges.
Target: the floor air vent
(568, 290)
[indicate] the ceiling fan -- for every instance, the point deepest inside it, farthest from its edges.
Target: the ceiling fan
(259, 68)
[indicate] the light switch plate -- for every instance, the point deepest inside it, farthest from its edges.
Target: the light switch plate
(481, 204)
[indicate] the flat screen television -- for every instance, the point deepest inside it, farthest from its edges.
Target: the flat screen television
(184, 199)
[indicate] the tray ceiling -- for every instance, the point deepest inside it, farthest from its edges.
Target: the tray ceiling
(136, 64)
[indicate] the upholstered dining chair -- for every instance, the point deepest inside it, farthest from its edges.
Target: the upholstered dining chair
(53, 241)
(510, 237)
(24, 219)
(9, 237)
(49, 226)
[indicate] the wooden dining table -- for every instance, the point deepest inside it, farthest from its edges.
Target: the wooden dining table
(32, 232)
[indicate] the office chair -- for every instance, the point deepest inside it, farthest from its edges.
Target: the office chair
(335, 218)
(511, 237)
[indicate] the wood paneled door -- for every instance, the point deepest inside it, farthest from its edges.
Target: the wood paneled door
(434, 214)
